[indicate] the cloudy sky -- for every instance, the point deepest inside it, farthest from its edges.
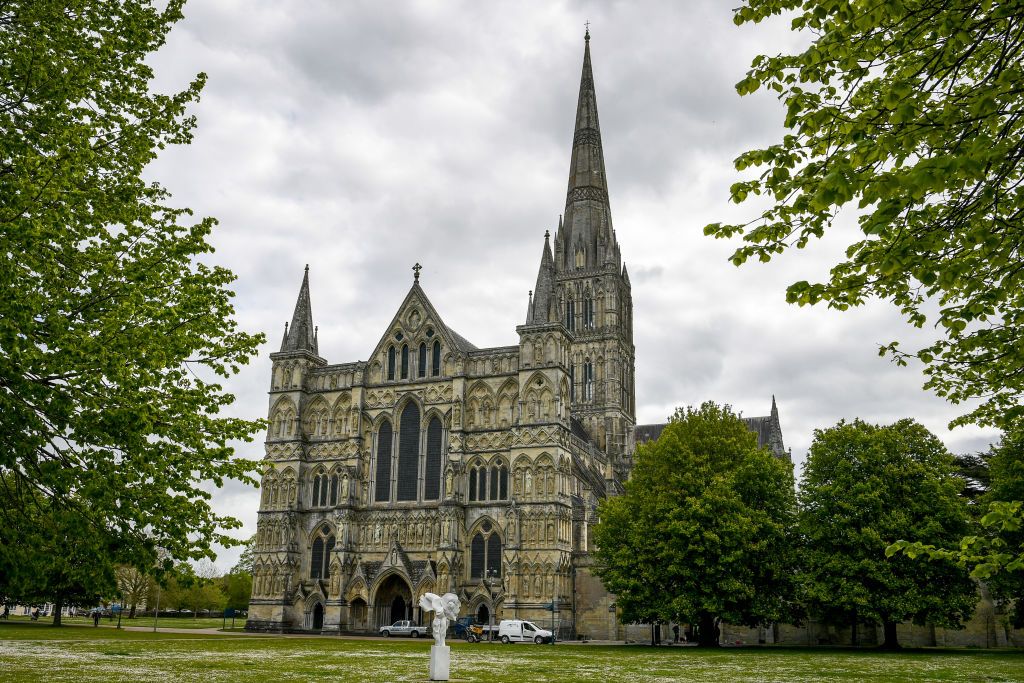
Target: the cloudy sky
(362, 137)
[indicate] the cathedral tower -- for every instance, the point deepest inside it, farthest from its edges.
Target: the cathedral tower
(584, 285)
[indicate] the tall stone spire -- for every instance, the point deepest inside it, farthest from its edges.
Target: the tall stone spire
(588, 223)
(540, 306)
(301, 334)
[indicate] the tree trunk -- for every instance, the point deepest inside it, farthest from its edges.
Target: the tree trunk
(891, 641)
(131, 615)
(58, 607)
(707, 634)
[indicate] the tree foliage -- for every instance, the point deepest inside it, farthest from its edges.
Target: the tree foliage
(701, 531)
(56, 556)
(910, 111)
(864, 487)
(112, 326)
(994, 551)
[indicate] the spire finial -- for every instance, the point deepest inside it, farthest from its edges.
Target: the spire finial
(547, 234)
(307, 267)
(586, 36)
(416, 272)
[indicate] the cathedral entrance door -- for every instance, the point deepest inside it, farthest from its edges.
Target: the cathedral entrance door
(393, 601)
(398, 609)
(483, 615)
(318, 617)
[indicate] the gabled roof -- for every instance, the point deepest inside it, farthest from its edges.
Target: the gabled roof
(418, 298)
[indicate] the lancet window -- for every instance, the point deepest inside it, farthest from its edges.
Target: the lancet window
(320, 556)
(485, 553)
(383, 472)
(488, 482)
(408, 452)
(325, 490)
(391, 362)
(436, 360)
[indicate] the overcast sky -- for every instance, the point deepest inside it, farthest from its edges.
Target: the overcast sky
(361, 137)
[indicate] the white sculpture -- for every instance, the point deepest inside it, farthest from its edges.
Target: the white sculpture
(445, 608)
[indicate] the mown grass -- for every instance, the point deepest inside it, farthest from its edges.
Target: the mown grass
(165, 622)
(37, 652)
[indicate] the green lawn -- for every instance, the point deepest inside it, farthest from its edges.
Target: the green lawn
(165, 622)
(37, 652)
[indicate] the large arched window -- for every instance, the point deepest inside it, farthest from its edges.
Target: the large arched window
(485, 553)
(391, 362)
(436, 365)
(588, 313)
(421, 365)
(405, 361)
(408, 452)
(432, 470)
(383, 488)
(570, 315)
(320, 556)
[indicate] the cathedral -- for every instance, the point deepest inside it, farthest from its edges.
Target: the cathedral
(437, 466)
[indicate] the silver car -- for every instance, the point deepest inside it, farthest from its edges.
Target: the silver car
(403, 628)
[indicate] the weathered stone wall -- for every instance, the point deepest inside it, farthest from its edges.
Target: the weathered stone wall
(595, 607)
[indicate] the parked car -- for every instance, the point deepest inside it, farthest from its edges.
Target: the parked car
(403, 628)
(522, 631)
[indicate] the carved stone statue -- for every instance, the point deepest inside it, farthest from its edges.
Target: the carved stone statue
(445, 608)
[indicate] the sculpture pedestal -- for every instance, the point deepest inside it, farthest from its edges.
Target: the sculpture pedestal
(440, 659)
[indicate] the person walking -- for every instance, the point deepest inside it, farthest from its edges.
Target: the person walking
(95, 617)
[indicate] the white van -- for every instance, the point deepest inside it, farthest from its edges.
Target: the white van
(521, 631)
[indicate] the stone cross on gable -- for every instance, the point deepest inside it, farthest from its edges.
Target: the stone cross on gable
(416, 272)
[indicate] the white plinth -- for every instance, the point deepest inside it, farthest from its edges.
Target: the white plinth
(440, 659)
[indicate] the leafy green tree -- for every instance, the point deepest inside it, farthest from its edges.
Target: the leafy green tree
(113, 328)
(994, 551)
(58, 556)
(134, 586)
(236, 586)
(911, 113)
(702, 530)
(863, 488)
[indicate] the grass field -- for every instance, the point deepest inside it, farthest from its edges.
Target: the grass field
(37, 652)
(165, 622)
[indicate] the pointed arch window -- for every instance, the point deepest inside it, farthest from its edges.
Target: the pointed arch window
(421, 370)
(383, 473)
(572, 382)
(408, 452)
(570, 315)
(588, 380)
(435, 369)
(432, 470)
(485, 553)
(488, 483)
(391, 362)
(588, 313)
(320, 555)
(325, 490)
(405, 361)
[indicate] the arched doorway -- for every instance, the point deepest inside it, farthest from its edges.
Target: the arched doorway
(398, 609)
(392, 602)
(483, 614)
(357, 610)
(318, 617)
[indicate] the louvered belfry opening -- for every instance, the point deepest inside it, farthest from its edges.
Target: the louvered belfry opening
(408, 452)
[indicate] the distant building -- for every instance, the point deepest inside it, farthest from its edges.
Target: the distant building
(439, 466)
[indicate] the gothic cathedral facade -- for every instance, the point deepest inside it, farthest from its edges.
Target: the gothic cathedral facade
(437, 466)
